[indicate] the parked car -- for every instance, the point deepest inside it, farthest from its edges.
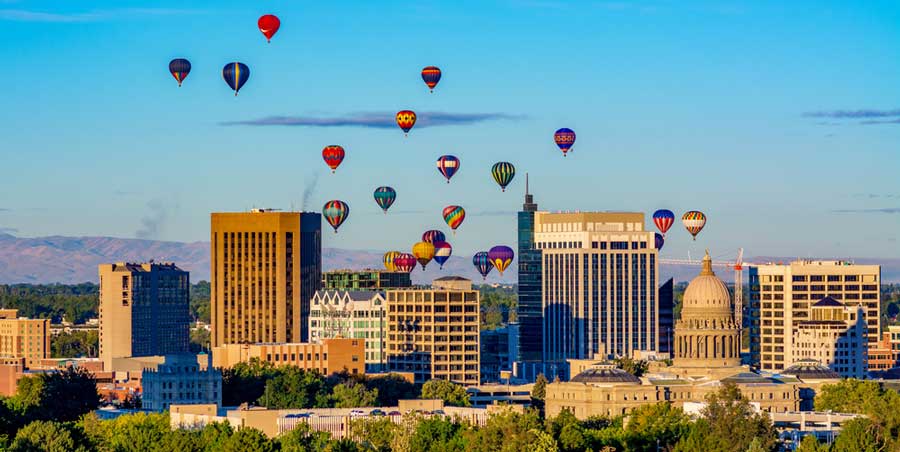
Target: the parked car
(395, 413)
(441, 412)
(357, 413)
(376, 412)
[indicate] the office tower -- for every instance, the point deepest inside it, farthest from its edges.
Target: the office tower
(434, 333)
(180, 379)
(364, 280)
(351, 314)
(666, 318)
(265, 268)
(326, 357)
(530, 309)
(599, 286)
(24, 338)
(144, 310)
(498, 351)
(783, 294)
(835, 336)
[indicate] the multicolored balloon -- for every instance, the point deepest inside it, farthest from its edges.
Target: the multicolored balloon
(385, 197)
(431, 75)
(501, 256)
(180, 68)
(268, 25)
(424, 252)
(454, 216)
(405, 263)
(333, 156)
(694, 221)
(503, 173)
(659, 240)
(482, 263)
(663, 219)
(442, 252)
(389, 260)
(235, 75)
(564, 138)
(406, 119)
(335, 213)
(447, 165)
(433, 236)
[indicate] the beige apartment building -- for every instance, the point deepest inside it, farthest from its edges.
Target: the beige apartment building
(144, 310)
(834, 335)
(782, 296)
(434, 333)
(24, 338)
(357, 314)
(265, 267)
(327, 357)
(599, 285)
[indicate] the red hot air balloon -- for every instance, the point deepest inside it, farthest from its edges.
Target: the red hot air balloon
(333, 156)
(433, 236)
(405, 263)
(268, 25)
(406, 119)
(663, 219)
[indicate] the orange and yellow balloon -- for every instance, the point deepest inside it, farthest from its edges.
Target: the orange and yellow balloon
(406, 119)
(424, 252)
(389, 260)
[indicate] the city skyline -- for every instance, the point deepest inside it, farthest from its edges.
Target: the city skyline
(725, 131)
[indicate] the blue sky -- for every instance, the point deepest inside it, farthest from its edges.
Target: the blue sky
(757, 113)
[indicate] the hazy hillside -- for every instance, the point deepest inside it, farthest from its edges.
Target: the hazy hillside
(74, 260)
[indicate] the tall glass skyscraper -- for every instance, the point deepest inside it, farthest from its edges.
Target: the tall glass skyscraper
(530, 307)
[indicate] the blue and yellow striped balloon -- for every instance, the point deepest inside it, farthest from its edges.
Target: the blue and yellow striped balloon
(235, 75)
(503, 173)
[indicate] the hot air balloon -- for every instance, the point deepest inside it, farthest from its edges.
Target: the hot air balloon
(564, 138)
(433, 236)
(180, 68)
(663, 219)
(268, 25)
(405, 262)
(389, 260)
(483, 263)
(447, 165)
(442, 252)
(454, 216)
(659, 240)
(235, 75)
(333, 156)
(503, 173)
(501, 256)
(406, 119)
(335, 212)
(694, 222)
(431, 75)
(424, 252)
(385, 197)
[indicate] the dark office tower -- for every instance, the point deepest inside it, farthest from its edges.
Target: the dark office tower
(530, 308)
(310, 265)
(666, 318)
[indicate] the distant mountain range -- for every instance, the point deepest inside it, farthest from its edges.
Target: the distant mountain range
(74, 260)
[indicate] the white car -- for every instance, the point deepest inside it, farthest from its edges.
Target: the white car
(355, 413)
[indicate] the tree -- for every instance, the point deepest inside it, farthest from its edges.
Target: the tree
(44, 436)
(199, 340)
(729, 424)
(544, 442)
(75, 344)
(880, 405)
(438, 434)
(62, 396)
(506, 431)
(811, 444)
(247, 439)
(374, 433)
(246, 382)
(132, 432)
(860, 435)
(451, 393)
(352, 394)
(391, 388)
(660, 422)
(303, 439)
(634, 367)
(539, 392)
(293, 387)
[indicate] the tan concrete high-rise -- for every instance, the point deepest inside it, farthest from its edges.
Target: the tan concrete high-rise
(265, 268)
(782, 295)
(434, 333)
(24, 338)
(144, 310)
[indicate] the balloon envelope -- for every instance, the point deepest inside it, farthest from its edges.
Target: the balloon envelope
(268, 25)
(501, 256)
(432, 236)
(405, 262)
(335, 213)
(503, 173)
(385, 197)
(431, 75)
(663, 219)
(180, 68)
(454, 216)
(447, 165)
(333, 156)
(564, 138)
(482, 263)
(406, 119)
(442, 252)
(424, 252)
(389, 260)
(235, 75)
(694, 221)
(659, 240)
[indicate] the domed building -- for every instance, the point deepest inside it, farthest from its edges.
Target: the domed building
(707, 338)
(605, 373)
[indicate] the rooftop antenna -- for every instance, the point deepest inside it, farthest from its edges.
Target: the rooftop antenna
(526, 183)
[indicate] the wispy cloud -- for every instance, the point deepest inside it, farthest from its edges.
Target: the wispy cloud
(24, 15)
(853, 114)
(888, 210)
(378, 120)
(875, 195)
(878, 121)
(4, 230)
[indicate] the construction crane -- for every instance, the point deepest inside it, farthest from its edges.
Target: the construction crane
(737, 265)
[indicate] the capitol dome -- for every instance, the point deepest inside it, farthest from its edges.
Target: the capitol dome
(605, 373)
(706, 297)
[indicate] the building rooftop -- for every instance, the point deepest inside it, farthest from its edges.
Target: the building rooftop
(811, 369)
(828, 302)
(354, 295)
(605, 373)
(746, 378)
(452, 278)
